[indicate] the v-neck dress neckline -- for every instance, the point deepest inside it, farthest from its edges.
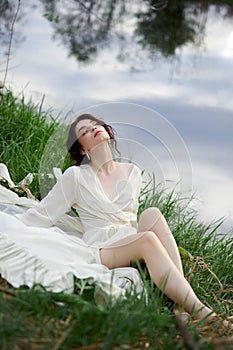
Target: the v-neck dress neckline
(101, 190)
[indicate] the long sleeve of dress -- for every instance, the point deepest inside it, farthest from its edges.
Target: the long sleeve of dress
(57, 202)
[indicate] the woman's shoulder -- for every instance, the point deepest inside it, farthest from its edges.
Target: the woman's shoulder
(71, 171)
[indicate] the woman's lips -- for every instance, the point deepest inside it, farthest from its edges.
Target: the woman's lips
(97, 132)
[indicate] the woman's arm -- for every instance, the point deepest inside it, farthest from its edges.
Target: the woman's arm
(57, 202)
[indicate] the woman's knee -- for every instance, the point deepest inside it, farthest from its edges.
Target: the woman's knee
(148, 218)
(149, 239)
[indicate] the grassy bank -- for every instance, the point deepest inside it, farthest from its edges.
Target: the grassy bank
(36, 319)
(25, 130)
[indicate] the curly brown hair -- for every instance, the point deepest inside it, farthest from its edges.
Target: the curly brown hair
(73, 145)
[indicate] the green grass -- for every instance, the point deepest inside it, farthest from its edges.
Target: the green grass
(25, 130)
(37, 319)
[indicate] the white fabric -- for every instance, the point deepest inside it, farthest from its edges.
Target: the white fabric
(46, 246)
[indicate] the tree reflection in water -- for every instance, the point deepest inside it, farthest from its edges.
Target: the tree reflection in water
(159, 26)
(84, 26)
(169, 29)
(149, 28)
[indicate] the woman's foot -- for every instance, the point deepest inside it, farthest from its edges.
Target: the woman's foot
(216, 319)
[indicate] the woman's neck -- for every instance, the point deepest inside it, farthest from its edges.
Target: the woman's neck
(101, 158)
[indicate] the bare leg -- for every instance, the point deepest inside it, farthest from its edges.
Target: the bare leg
(151, 219)
(165, 274)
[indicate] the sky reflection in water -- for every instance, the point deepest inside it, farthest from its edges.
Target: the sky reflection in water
(193, 91)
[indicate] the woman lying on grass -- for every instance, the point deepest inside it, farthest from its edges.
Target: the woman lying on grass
(105, 194)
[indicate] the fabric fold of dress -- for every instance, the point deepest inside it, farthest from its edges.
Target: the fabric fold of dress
(41, 244)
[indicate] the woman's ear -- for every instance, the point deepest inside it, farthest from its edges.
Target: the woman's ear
(83, 151)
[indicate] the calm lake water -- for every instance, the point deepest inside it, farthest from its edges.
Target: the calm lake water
(162, 75)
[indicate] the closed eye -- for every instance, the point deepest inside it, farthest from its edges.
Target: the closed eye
(88, 129)
(84, 132)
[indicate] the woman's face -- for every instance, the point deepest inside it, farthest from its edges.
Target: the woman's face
(90, 134)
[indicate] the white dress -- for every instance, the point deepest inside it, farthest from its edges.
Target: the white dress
(43, 245)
